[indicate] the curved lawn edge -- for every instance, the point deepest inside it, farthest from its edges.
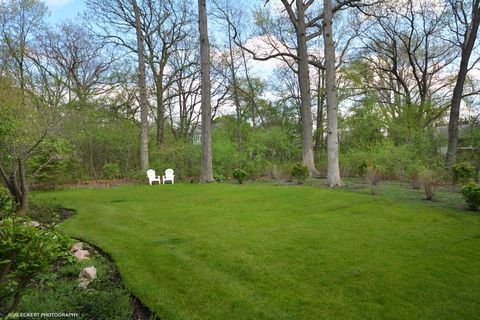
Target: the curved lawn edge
(193, 241)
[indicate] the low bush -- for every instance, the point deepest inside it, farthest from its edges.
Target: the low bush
(6, 202)
(471, 194)
(463, 173)
(373, 175)
(239, 175)
(26, 252)
(218, 177)
(428, 178)
(363, 168)
(111, 171)
(412, 174)
(43, 211)
(393, 159)
(106, 297)
(300, 173)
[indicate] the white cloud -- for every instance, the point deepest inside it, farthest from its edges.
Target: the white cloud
(57, 3)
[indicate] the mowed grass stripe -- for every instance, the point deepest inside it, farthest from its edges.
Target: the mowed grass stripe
(282, 252)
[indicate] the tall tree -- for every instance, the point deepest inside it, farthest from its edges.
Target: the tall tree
(407, 51)
(206, 171)
(142, 82)
(169, 23)
(70, 56)
(304, 82)
(333, 175)
(465, 33)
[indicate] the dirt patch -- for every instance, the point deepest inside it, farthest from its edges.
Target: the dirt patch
(65, 213)
(84, 184)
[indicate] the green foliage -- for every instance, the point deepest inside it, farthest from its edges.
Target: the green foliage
(391, 158)
(394, 160)
(471, 194)
(6, 202)
(105, 299)
(53, 162)
(470, 141)
(463, 172)
(365, 125)
(43, 211)
(239, 175)
(363, 168)
(413, 175)
(218, 177)
(183, 157)
(26, 252)
(429, 179)
(300, 172)
(111, 171)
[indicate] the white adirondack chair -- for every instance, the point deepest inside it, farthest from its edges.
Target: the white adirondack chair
(152, 177)
(169, 176)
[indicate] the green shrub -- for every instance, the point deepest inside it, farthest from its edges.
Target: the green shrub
(471, 194)
(6, 202)
(111, 171)
(43, 211)
(218, 177)
(413, 171)
(363, 168)
(300, 172)
(239, 175)
(428, 178)
(392, 158)
(182, 157)
(106, 297)
(26, 252)
(463, 172)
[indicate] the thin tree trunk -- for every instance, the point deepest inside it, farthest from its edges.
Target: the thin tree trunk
(235, 91)
(333, 171)
(306, 99)
(467, 49)
(320, 104)
(160, 112)
(143, 90)
(23, 185)
(206, 170)
(92, 164)
(17, 297)
(10, 183)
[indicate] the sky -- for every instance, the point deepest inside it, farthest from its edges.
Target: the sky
(64, 9)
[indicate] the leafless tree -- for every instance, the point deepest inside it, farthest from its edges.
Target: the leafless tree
(122, 24)
(410, 60)
(169, 22)
(71, 56)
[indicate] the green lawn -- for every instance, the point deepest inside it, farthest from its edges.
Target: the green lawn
(258, 251)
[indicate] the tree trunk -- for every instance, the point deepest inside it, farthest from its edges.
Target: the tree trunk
(23, 185)
(306, 99)
(206, 170)
(333, 171)
(467, 49)
(142, 82)
(160, 111)
(235, 91)
(320, 104)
